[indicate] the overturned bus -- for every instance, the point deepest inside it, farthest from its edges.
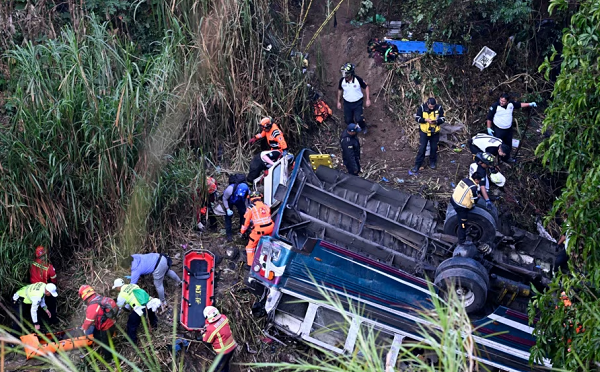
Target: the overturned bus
(376, 248)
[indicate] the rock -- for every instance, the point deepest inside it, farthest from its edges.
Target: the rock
(231, 253)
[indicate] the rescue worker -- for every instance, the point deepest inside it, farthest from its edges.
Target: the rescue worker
(208, 201)
(500, 118)
(131, 296)
(234, 195)
(490, 144)
(483, 162)
(258, 216)
(430, 117)
(463, 200)
(273, 135)
(100, 316)
(217, 332)
(351, 149)
(31, 298)
(156, 264)
(42, 271)
(350, 88)
(261, 162)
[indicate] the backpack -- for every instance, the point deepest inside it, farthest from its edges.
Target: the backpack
(322, 111)
(141, 296)
(240, 188)
(237, 178)
(108, 306)
(240, 192)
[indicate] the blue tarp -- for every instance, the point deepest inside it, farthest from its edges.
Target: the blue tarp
(420, 47)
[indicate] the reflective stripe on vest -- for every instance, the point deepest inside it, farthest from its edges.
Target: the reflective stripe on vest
(461, 193)
(217, 333)
(127, 294)
(261, 214)
(33, 290)
(483, 141)
(432, 115)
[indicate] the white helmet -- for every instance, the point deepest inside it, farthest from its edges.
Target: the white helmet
(498, 179)
(211, 314)
(51, 287)
(118, 283)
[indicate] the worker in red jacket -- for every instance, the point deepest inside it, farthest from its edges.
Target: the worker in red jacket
(42, 271)
(218, 333)
(100, 316)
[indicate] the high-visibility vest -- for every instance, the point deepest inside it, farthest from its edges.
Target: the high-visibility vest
(465, 193)
(220, 336)
(259, 214)
(37, 290)
(432, 115)
(274, 138)
(485, 141)
(128, 295)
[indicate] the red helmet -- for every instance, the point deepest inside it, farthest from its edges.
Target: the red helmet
(211, 184)
(40, 251)
(85, 291)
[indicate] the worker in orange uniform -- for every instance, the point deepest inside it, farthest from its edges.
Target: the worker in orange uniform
(259, 215)
(218, 333)
(273, 134)
(100, 316)
(42, 271)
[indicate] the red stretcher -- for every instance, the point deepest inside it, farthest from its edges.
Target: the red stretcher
(198, 288)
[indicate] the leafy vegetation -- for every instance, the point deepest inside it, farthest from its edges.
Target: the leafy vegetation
(568, 333)
(458, 19)
(84, 110)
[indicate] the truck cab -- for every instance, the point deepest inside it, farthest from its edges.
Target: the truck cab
(380, 250)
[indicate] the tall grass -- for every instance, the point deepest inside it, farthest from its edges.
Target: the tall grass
(445, 342)
(85, 108)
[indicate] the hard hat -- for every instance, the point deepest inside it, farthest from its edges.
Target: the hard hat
(118, 283)
(348, 69)
(85, 291)
(266, 123)
(51, 287)
(498, 179)
(254, 196)
(40, 251)
(353, 128)
(211, 314)
(485, 157)
(211, 184)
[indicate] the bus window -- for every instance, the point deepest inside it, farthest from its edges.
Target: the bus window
(330, 327)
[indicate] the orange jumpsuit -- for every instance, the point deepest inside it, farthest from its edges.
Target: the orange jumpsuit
(260, 216)
(274, 137)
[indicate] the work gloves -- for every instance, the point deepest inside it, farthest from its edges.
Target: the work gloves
(533, 104)
(490, 131)
(488, 205)
(252, 140)
(229, 212)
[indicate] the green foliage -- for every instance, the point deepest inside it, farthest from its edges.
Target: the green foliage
(574, 146)
(365, 8)
(456, 19)
(84, 109)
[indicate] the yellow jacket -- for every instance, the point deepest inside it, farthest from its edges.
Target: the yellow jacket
(465, 193)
